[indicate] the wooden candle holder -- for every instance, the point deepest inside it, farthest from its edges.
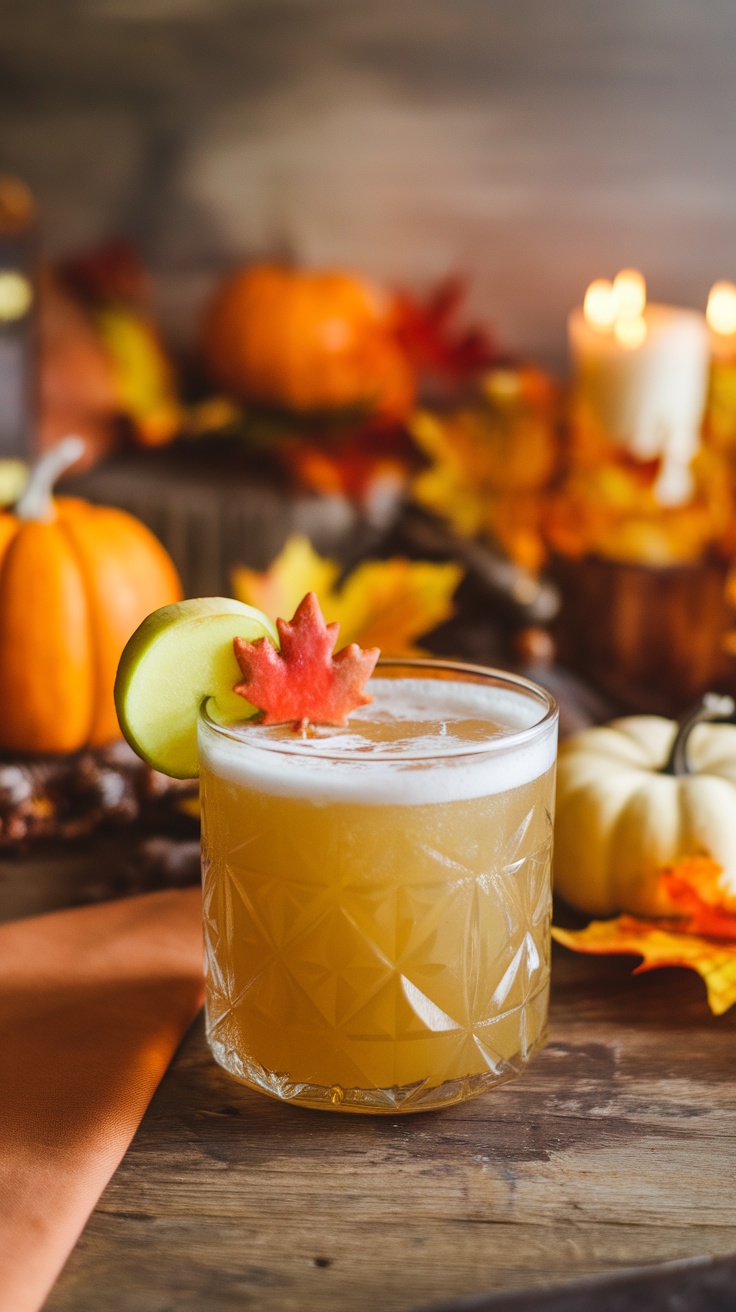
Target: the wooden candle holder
(650, 637)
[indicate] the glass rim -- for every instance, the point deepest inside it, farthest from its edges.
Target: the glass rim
(504, 742)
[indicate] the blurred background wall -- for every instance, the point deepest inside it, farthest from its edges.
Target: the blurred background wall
(532, 144)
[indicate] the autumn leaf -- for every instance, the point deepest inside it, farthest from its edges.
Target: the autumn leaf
(714, 962)
(382, 603)
(694, 889)
(144, 374)
(368, 461)
(113, 283)
(490, 461)
(295, 571)
(700, 934)
(608, 505)
(302, 680)
(431, 337)
(389, 603)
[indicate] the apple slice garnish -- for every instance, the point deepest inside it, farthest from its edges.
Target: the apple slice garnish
(180, 657)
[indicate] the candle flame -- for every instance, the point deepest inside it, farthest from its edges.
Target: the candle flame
(630, 291)
(630, 333)
(618, 305)
(721, 309)
(599, 306)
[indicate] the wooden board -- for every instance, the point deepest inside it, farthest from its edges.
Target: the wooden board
(618, 1147)
(531, 145)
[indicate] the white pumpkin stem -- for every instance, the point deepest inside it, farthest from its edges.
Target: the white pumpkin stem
(713, 707)
(37, 502)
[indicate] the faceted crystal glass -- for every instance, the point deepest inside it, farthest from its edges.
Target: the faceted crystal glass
(377, 914)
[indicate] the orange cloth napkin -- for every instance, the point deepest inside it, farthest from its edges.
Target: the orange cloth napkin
(93, 1003)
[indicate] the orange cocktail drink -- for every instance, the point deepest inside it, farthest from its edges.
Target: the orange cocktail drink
(377, 898)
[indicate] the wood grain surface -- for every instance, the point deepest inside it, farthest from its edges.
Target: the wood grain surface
(532, 144)
(617, 1148)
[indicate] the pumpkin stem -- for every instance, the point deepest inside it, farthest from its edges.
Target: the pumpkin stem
(36, 502)
(713, 706)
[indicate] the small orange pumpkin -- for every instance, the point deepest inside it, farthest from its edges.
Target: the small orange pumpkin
(75, 581)
(307, 342)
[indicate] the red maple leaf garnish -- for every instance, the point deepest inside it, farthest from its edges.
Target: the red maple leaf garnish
(304, 681)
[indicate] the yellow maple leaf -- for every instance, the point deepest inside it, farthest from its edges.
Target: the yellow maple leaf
(490, 461)
(297, 569)
(145, 376)
(608, 505)
(382, 603)
(714, 961)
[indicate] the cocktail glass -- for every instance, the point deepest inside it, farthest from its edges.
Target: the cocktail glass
(377, 899)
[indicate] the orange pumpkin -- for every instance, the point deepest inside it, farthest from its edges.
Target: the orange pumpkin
(75, 581)
(307, 342)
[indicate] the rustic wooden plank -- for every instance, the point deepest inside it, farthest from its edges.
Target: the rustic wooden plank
(617, 1148)
(533, 145)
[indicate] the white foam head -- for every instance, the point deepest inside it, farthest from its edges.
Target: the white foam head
(420, 741)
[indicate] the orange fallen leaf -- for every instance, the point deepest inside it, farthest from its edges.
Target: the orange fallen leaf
(344, 470)
(382, 603)
(694, 888)
(714, 962)
(701, 934)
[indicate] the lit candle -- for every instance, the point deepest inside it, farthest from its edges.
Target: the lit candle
(641, 375)
(721, 420)
(721, 316)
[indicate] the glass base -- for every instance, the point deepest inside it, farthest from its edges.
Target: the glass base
(423, 1096)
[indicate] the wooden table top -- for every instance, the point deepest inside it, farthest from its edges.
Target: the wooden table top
(617, 1147)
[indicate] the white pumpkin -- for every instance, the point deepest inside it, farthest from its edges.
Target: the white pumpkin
(637, 795)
